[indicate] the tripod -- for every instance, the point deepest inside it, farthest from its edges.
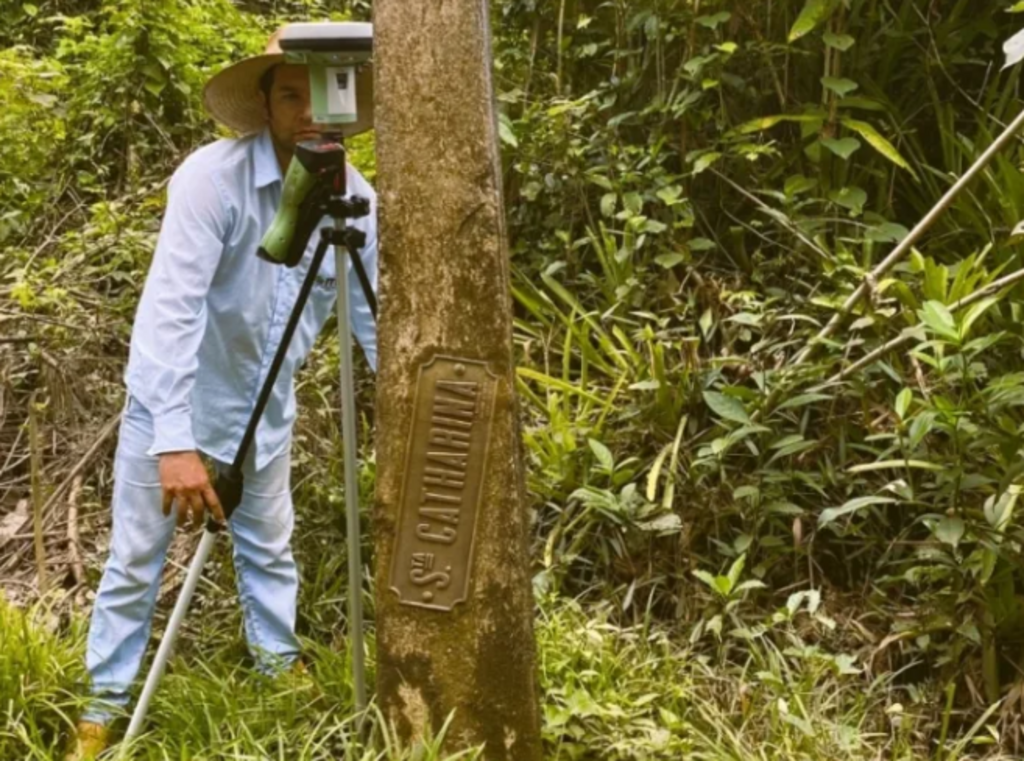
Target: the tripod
(327, 198)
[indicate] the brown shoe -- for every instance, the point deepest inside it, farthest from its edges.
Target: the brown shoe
(88, 742)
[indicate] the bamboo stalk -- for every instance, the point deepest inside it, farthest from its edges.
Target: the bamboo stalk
(908, 243)
(37, 494)
(911, 333)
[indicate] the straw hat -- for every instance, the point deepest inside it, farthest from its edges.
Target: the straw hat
(233, 96)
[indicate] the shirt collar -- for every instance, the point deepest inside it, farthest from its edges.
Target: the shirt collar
(267, 169)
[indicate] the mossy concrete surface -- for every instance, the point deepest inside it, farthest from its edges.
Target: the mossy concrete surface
(445, 291)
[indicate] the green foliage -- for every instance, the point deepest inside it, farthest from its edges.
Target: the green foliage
(695, 192)
(799, 560)
(38, 668)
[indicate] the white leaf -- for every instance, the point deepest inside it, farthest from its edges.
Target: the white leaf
(12, 522)
(669, 523)
(1014, 49)
(831, 514)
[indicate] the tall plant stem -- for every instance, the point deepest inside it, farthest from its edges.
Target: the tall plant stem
(561, 24)
(37, 495)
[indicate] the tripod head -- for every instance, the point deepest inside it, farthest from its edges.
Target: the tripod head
(315, 184)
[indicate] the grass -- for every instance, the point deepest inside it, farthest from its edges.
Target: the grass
(609, 693)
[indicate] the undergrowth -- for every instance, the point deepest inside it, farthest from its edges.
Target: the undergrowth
(609, 692)
(753, 539)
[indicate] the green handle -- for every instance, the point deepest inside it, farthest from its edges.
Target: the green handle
(297, 184)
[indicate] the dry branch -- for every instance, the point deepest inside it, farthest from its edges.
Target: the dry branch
(108, 428)
(74, 550)
(37, 494)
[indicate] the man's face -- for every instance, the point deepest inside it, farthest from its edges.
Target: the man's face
(288, 111)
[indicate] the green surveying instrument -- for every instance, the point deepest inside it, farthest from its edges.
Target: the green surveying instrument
(314, 189)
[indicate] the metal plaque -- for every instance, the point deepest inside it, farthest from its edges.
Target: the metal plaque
(446, 459)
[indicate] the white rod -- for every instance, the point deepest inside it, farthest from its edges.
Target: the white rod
(156, 671)
(348, 427)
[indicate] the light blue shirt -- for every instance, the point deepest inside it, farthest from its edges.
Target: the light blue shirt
(212, 313)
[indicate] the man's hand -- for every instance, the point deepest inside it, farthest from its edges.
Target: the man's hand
(187, 486)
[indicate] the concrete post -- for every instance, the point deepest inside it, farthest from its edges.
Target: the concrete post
(454, 602)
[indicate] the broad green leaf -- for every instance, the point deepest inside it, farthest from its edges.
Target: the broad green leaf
(851, 198)
(950, 530)
(706, 322)
(830, 514)
(936, 280)
(791, 449)
(999, 512)
(803, 400)
(706, 577)
(839, 85)
(609, 201)
(887, 232)
(798, 184)
(633, 202)
(670, 260)
(701, 244)
(670, 195)
(746, 586)
(745, 318)
(843, 148)
(727, 407)
(787, 441)
(747, 492)
(840, 42)
(813, 14)
(938, 318)
(506, 131)
(879, 143)
(714, 21)
(705, 161)
(767, 122)
(903, 401)
(862, 102)
(736, 570)
(603, 455)
(976, 311)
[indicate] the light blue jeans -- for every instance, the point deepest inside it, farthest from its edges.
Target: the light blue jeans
(261, 529)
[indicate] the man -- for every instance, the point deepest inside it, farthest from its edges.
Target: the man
(208, 325)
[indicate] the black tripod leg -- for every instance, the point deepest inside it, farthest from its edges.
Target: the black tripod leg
(228, 483)
(364, 281)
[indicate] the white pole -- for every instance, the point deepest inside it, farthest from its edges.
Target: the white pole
(348, 428)
(195, 572)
